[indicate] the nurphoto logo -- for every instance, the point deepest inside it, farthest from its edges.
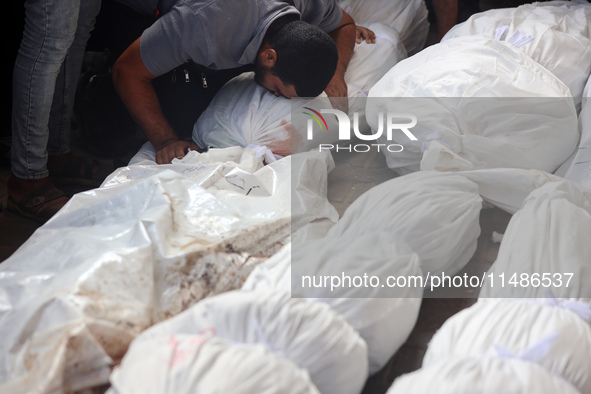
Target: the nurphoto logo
(387, 126)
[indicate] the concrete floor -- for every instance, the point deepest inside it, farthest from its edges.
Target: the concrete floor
(354, 174)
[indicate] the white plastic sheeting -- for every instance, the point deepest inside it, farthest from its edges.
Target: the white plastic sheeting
(408, 17)
(556, 338)
(183, 364)
(556, 34)
(484, 375)
(383, 316)
(311, 335)
(243, 113)
(436, 214)
(149, 243)
(480, 103)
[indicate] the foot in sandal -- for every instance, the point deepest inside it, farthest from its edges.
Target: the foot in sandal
(35, 199)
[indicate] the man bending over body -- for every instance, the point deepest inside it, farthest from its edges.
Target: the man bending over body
(299, 48)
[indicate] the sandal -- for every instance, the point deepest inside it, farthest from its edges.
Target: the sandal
(39, 205)
(77, 171)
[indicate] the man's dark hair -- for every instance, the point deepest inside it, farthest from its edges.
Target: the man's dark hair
(306, 57)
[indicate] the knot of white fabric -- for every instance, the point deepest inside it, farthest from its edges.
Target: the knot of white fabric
(580, 308)
(262, 150)
(518, 39)
(531, 353)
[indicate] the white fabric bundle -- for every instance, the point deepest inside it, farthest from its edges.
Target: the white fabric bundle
(546, 244)
(554, 337)
(555, 34)
(274, 274)
(307, 174)
(384, 316)
(184, 364)
(408, 17)
(314, 230)
(243, 113)
(483, 375)
(507, 188)
(368, 64)
(578, 168)
(436, 214)
(479, 103)
(309, 334)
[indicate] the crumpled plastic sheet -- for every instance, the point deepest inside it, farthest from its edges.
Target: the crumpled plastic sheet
(147, 244)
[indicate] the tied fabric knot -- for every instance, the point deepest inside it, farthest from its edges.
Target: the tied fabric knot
(579, 308)
(500, 32)
(262, 150)
(531, 353)
(517, 39)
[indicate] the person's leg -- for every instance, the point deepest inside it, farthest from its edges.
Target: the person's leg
(50, 27)
(59, 142)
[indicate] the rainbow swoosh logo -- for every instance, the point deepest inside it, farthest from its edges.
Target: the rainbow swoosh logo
(315, 116)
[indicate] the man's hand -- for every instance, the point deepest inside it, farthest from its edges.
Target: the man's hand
(173, 149)
(363, 33)
(337, 94)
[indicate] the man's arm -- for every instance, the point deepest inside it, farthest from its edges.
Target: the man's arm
(446, 13)
(133, 82)
(344, 37)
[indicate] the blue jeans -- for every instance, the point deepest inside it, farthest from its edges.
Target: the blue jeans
(44, 81)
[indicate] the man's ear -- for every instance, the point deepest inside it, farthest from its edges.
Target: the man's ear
(268, 57)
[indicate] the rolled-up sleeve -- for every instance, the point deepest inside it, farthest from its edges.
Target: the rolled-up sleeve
(332, 16)
(172, 40)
